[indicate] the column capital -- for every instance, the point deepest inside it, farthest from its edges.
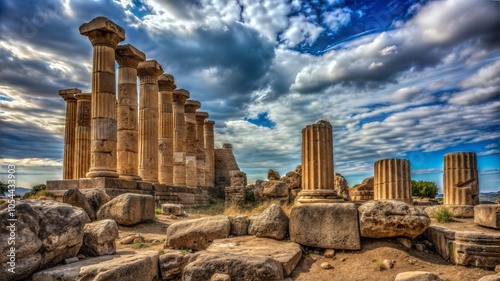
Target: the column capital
(166, 82)
(191, 106)
(102, 31)
(69, 94)
(209, 122)
(180, 96)
(149, 68)
(201, 116)
(83, 96)
(128, 56)
(319, 124)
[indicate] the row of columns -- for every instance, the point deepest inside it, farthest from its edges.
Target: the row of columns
(159, 137)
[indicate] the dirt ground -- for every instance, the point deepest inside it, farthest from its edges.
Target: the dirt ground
(347, 265)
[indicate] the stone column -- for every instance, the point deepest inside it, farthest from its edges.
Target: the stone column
(82, 135)
(460, 179)
(179, 97)
(392, 180)
(69, 132)
(166, 130)
(200, 148)
(190, 108)
(104, 36)
(148, 73)
(317, 164)
(128, 59)
(209, 154)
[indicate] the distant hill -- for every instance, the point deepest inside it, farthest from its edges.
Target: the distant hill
(19, 191)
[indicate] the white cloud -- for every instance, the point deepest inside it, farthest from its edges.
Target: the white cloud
(268, 17)
(27, 162)
(405, 94)
(300, 30)
(337, 18)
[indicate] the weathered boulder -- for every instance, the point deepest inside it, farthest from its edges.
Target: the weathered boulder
(128, 209)
(202, 266)
(220, 277)
(238, 178)
(172, 263)
(341, 186)
(362, 191)
(239, 225)
(96, 197)
(47, 232)
(99, 238)
(391, 218)
(487, 215)
(273, 175)
(493, 277)
(172, 209)
(293, 179)
(417, 276)
(325, 225)
(74, 197)
(258, 190)
(275, 188)
(198, 233)
(271, 223)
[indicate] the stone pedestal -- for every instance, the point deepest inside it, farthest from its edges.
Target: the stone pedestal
(460, 179)
(179, 97)
(190, 108)
(69, 132)
(104, 36)
(392, 180)
(209, 154)
(317, 164)
(148, 73)
(128, 58)
(166, 130)
(200, 148)
(82, 135)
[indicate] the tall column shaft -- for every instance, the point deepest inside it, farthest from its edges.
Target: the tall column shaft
(392, 180)
(104, 36)
(209, 154)
(200, 148)
(179, 99)
(166, 130)
(191, 174)
(148, 72)
(69, 132)
(460, 179)
(317, 164)
(128, 58)
(82, 135)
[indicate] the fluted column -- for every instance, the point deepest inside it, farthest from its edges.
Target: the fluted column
(200, 148)
(392, 180)
(82, 135)
(104, 36)
(69, 132)
(179, 97)
(148, 73)
(190, 108)
(128, 58)
(317, 164)
(166, 130)
(460, 179)
(209, 154)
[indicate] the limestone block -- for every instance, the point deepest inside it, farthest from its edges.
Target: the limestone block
(273, 175)
(487, 215)
(128, 209)
(99, 238)
(271, 223)
(275, 188)
(198, 233)
(74, 197)
(239, 225)
(417, 276)
(172, 263)
(172, 209)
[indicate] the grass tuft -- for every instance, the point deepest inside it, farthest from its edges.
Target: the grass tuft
(443, 215)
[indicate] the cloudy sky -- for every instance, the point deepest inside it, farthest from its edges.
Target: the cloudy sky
(409, 79)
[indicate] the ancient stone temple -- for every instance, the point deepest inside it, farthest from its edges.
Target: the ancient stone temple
(69, 132)
(460, 179)
(82, 135)
(392, 180)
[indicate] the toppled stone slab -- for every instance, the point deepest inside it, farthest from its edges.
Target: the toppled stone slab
(325, 225)
(487, 215)
(171, 263)
(493, 277)
(202, 266)
(457, 211)
(99, 238)
(417, 276)
(74, 197)
(96, 197)
(172, 209)
(288, 254)
(239, 225)
(137, 267)
(198, 233)
(128, 209)
(271, 223)
(275, 188)
(391, 218)
(362, 191)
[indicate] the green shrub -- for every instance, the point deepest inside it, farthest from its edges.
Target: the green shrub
(158, 211)
(37, 191)
(139, 245)
(424, 189)
(443, 215)
(2, 201)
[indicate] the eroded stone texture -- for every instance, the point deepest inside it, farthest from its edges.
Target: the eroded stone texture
(128, 58)
(198, 233)
(271, 223)
(209, 155)
(82, 135)
(172, 209)
(128, 209)
(362, 191)
(191, 139)
(148, 73)
(69, 132)
(99, 238)
(104, 36)
(460, 179)
(172, 263)
(179, 97)
(166, 130)
(200, 148)
(392, 180)
(74, 197)
(487, 215)
(239, 225)
(417, 276)
(235, 194)
(224, 163)
(341, 186)
(273, 175)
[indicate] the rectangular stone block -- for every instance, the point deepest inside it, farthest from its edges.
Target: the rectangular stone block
(325, 225)
(62, 184)
(108, 183)
(487, 215)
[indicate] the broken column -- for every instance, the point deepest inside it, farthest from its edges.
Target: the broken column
(235, 194)
(392, 180)
(460, 179)
(200, 148)
(179, 97)
(128, 59)
(69, 132)
(104, 36)
(82, 135)
(209, 155)
(148, 73)
(166, 130)
(190, 108)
